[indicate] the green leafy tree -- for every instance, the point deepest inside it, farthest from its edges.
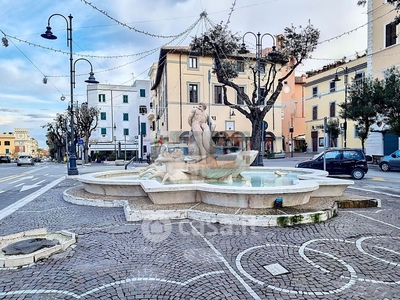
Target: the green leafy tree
(364, 102)
(391, 103)
(295, 45)
(333, 130)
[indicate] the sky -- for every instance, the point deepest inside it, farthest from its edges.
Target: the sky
(121, 39)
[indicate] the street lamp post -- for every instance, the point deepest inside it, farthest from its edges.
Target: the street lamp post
(258, 37)
(72, 170)
(346, 79)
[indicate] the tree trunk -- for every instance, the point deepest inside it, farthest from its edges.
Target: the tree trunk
(255, 138)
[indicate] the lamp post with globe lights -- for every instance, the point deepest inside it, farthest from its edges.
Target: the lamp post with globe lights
(346, 83)
(72, 170)
(243, 50)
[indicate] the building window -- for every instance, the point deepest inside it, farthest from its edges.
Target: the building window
(315, 91)
(262, 67)
(192, 62)
(262, 101)
(126, 131)
(142, 93)
(193, 93)
(390, 34)
(315, 112)
(240, 101)
(103, 131)
(356, 132)
(143, 129)
(321, 142)
(103, 116)
(142, 109)
(240, 66)
(125, 98)
(359, 77)
(7, 151)
(218, 94)
(332, 109)
(332, 86)
(102, 98)
(229, 125)
(126, 117)
(6, 143)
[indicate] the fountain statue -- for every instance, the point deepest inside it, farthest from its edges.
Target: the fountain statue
(201, 163)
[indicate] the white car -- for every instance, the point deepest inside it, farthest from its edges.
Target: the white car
(25, 160)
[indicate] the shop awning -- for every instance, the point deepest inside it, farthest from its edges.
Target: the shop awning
(300, 137)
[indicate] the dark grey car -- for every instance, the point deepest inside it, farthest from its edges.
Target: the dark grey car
(339, 162)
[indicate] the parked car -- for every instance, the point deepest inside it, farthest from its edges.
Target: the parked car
(25, 160)
(339, 162)
(390, 162)
(5, 159)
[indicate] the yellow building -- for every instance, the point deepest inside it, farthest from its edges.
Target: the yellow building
(383, 45)
(322, 98)
(7, 144)
(181, 79)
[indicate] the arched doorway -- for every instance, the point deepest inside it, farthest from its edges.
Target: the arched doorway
(269, 142)
(238, 141)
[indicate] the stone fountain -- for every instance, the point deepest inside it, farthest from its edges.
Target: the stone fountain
(201, 177)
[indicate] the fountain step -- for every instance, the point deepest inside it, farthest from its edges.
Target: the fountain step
(143, 209)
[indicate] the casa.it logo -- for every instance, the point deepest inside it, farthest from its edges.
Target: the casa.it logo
(156, 231)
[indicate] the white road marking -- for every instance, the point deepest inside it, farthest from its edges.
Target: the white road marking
(15, 206)
(18, 180)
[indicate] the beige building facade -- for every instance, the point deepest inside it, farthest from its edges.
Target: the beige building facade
(25, 144)
(181, 80)
(383, 40)
(322, 98)
(293, 114)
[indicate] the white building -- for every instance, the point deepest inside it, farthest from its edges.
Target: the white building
(123, 124)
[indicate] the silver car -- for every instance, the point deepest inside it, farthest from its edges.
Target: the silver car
(25, 160)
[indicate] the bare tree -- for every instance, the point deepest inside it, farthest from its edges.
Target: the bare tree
(87, 119)
(223, 46)
(57, 136)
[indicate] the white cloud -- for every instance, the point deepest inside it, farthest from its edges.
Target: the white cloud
(22, 65)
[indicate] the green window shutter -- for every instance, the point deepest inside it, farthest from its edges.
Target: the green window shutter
(143, 128)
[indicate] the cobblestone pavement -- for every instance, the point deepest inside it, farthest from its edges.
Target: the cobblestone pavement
(355, 255)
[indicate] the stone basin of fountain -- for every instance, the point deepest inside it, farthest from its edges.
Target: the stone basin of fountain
(300, 185)
(64, 240)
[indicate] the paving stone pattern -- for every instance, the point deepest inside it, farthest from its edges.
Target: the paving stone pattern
(355, 255)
